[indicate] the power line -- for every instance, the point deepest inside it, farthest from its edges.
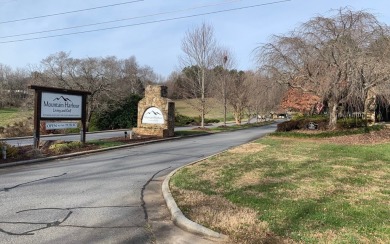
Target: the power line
(120, 20)
(147, 22)
(69, 12)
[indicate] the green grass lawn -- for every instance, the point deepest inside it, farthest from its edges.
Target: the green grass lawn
(299, 190)
(9, 116)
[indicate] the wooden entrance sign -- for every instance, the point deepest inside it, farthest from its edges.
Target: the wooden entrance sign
(59, 104)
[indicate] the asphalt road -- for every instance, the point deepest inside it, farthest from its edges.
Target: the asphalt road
(24, 141)
(98, 198)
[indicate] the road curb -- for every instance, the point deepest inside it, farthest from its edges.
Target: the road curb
(53, 135)
(178, 217)
(176, 214)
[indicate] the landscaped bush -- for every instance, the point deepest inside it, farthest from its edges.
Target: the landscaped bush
(206, 120)
(212, 120)
(288, 126)
(302, 123)
(120, 115)
(351, 123)
(183, 120)
(12, 151)
(65, 147)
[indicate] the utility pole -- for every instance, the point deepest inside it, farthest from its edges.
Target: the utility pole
(225, 58)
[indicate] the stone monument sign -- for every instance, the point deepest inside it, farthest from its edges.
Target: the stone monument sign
(156, 113)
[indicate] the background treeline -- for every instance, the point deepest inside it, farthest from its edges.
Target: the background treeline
(114, 85)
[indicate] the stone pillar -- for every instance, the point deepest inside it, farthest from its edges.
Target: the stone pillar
(156, 113)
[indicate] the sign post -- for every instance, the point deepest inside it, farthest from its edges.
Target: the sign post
(59, 104)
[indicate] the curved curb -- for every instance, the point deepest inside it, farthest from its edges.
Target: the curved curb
(54, 135)
(178, 217)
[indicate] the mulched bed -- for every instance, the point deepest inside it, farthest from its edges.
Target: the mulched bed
(374, 137)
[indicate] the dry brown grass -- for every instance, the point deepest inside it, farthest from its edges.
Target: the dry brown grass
(249, 178)
(234, 221)
(248, 148)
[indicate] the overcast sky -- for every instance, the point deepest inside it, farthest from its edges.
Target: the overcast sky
(148, 34)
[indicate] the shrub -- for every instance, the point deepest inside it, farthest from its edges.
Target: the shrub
(121, 115)
(351, 123)
(65, 147)
(302, 123)
(12, 151)
(322, 122)
(198, 120)
(288, 126)
(212, 120)
(182, 120)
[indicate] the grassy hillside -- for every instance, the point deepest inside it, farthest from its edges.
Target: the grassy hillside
(216, 109)
(10, 116)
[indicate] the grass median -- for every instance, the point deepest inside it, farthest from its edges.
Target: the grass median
(296, 190)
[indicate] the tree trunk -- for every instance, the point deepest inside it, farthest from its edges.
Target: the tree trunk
(333, 115)
(369, 107)
(238, 116)
(238, 120)
(203, 99)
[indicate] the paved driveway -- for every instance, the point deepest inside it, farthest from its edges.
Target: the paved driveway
(97, 198)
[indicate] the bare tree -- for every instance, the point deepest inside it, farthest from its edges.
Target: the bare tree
(200, 48)
(264, 95)
(5, 72)
(108, 79)
(372, 74)
(238, 87)
(225, 61)
(173, 87)
(321, 56)
(13, 86)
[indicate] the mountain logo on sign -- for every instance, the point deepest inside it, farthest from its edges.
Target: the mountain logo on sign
(63, 98)
(155, 113)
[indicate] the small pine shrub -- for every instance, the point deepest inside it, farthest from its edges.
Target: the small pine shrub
(183, 120)
(212, 120)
